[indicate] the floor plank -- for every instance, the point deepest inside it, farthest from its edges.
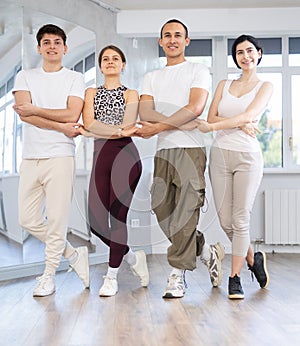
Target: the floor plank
(139, 316)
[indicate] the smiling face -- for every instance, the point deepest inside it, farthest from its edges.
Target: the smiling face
(52, 48)
(247, 56)
(174, 41)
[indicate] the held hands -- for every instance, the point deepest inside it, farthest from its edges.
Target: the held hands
(71, 129)
(147, 129)
(129, 131)
(204, 126)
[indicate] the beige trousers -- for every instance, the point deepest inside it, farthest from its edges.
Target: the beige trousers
(45, 195)
(235, 177)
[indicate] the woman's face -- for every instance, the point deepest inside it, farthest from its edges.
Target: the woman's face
(111, 63)
(247, 55)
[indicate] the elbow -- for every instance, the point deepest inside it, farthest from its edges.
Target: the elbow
(197, 110)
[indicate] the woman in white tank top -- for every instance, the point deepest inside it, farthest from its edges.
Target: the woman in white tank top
(236, 164)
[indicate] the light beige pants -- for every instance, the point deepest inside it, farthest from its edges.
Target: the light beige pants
(235, 177)
(45, 195)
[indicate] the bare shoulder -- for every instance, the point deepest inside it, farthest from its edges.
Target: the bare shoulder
(131, 95)
(90, 91)
(267, 84)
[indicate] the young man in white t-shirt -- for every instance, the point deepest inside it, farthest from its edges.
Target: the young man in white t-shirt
(49, 101)
(171, 99)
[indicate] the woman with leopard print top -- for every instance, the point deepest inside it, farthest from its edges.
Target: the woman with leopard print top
(109, 115)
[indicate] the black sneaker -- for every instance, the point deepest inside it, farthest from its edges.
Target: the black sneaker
(235, 289)
(259, 269)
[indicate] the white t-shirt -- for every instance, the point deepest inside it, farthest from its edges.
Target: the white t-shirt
(170, 88)
(229, 106)
(48, 90)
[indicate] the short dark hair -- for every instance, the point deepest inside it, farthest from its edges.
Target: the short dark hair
(50, 29)
(112, 47)
(175, 21)
(241, 39)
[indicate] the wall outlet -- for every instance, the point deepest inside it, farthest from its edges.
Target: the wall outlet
(135, 223)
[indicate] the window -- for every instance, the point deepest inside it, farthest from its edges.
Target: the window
(294, 51)
(197, 51)
(7, 125)
(294, 141)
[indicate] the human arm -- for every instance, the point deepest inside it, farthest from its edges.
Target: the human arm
(154, 122)
(257, 106)
(69, 129)
(68, 115)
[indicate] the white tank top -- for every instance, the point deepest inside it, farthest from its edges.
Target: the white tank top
(229, 106)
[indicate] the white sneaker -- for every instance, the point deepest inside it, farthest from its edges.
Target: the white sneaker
(175, 287)
(109, 287)
(81, 266)
(45, 285)
(140, 268)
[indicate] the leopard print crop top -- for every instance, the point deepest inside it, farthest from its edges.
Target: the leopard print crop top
(109, 105)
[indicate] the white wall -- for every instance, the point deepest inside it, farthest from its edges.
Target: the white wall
(211, 22)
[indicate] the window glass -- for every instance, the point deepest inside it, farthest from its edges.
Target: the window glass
(2, 123)
(294, 51)
(9, 140)
(197, 51)
(272, 52)
(295, 140)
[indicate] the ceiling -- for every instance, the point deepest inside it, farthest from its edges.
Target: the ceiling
(122, 5)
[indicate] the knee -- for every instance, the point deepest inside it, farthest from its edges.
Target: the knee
(242, 226)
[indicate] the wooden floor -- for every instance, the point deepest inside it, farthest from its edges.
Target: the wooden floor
(139, 316)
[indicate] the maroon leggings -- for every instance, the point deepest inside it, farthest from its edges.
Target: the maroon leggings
(115, 174)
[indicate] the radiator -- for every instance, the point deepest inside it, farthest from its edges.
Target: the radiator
(282, 217)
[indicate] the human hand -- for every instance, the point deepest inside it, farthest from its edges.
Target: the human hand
(25, 109)
(250, 129)
(147, 129)
(71, 129)
(129, 131)
(204, 126)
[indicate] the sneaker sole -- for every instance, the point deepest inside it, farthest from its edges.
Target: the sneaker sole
(266, 271)
(171, 296)
(107, 295)
(43, 295)
(236, 296)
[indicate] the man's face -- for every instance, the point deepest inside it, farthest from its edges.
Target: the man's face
(52, 48)
(173, 40)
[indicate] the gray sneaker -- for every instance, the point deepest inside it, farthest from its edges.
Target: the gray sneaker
(81, 266)
(175, 287)
(45, 286)
(214, 264)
